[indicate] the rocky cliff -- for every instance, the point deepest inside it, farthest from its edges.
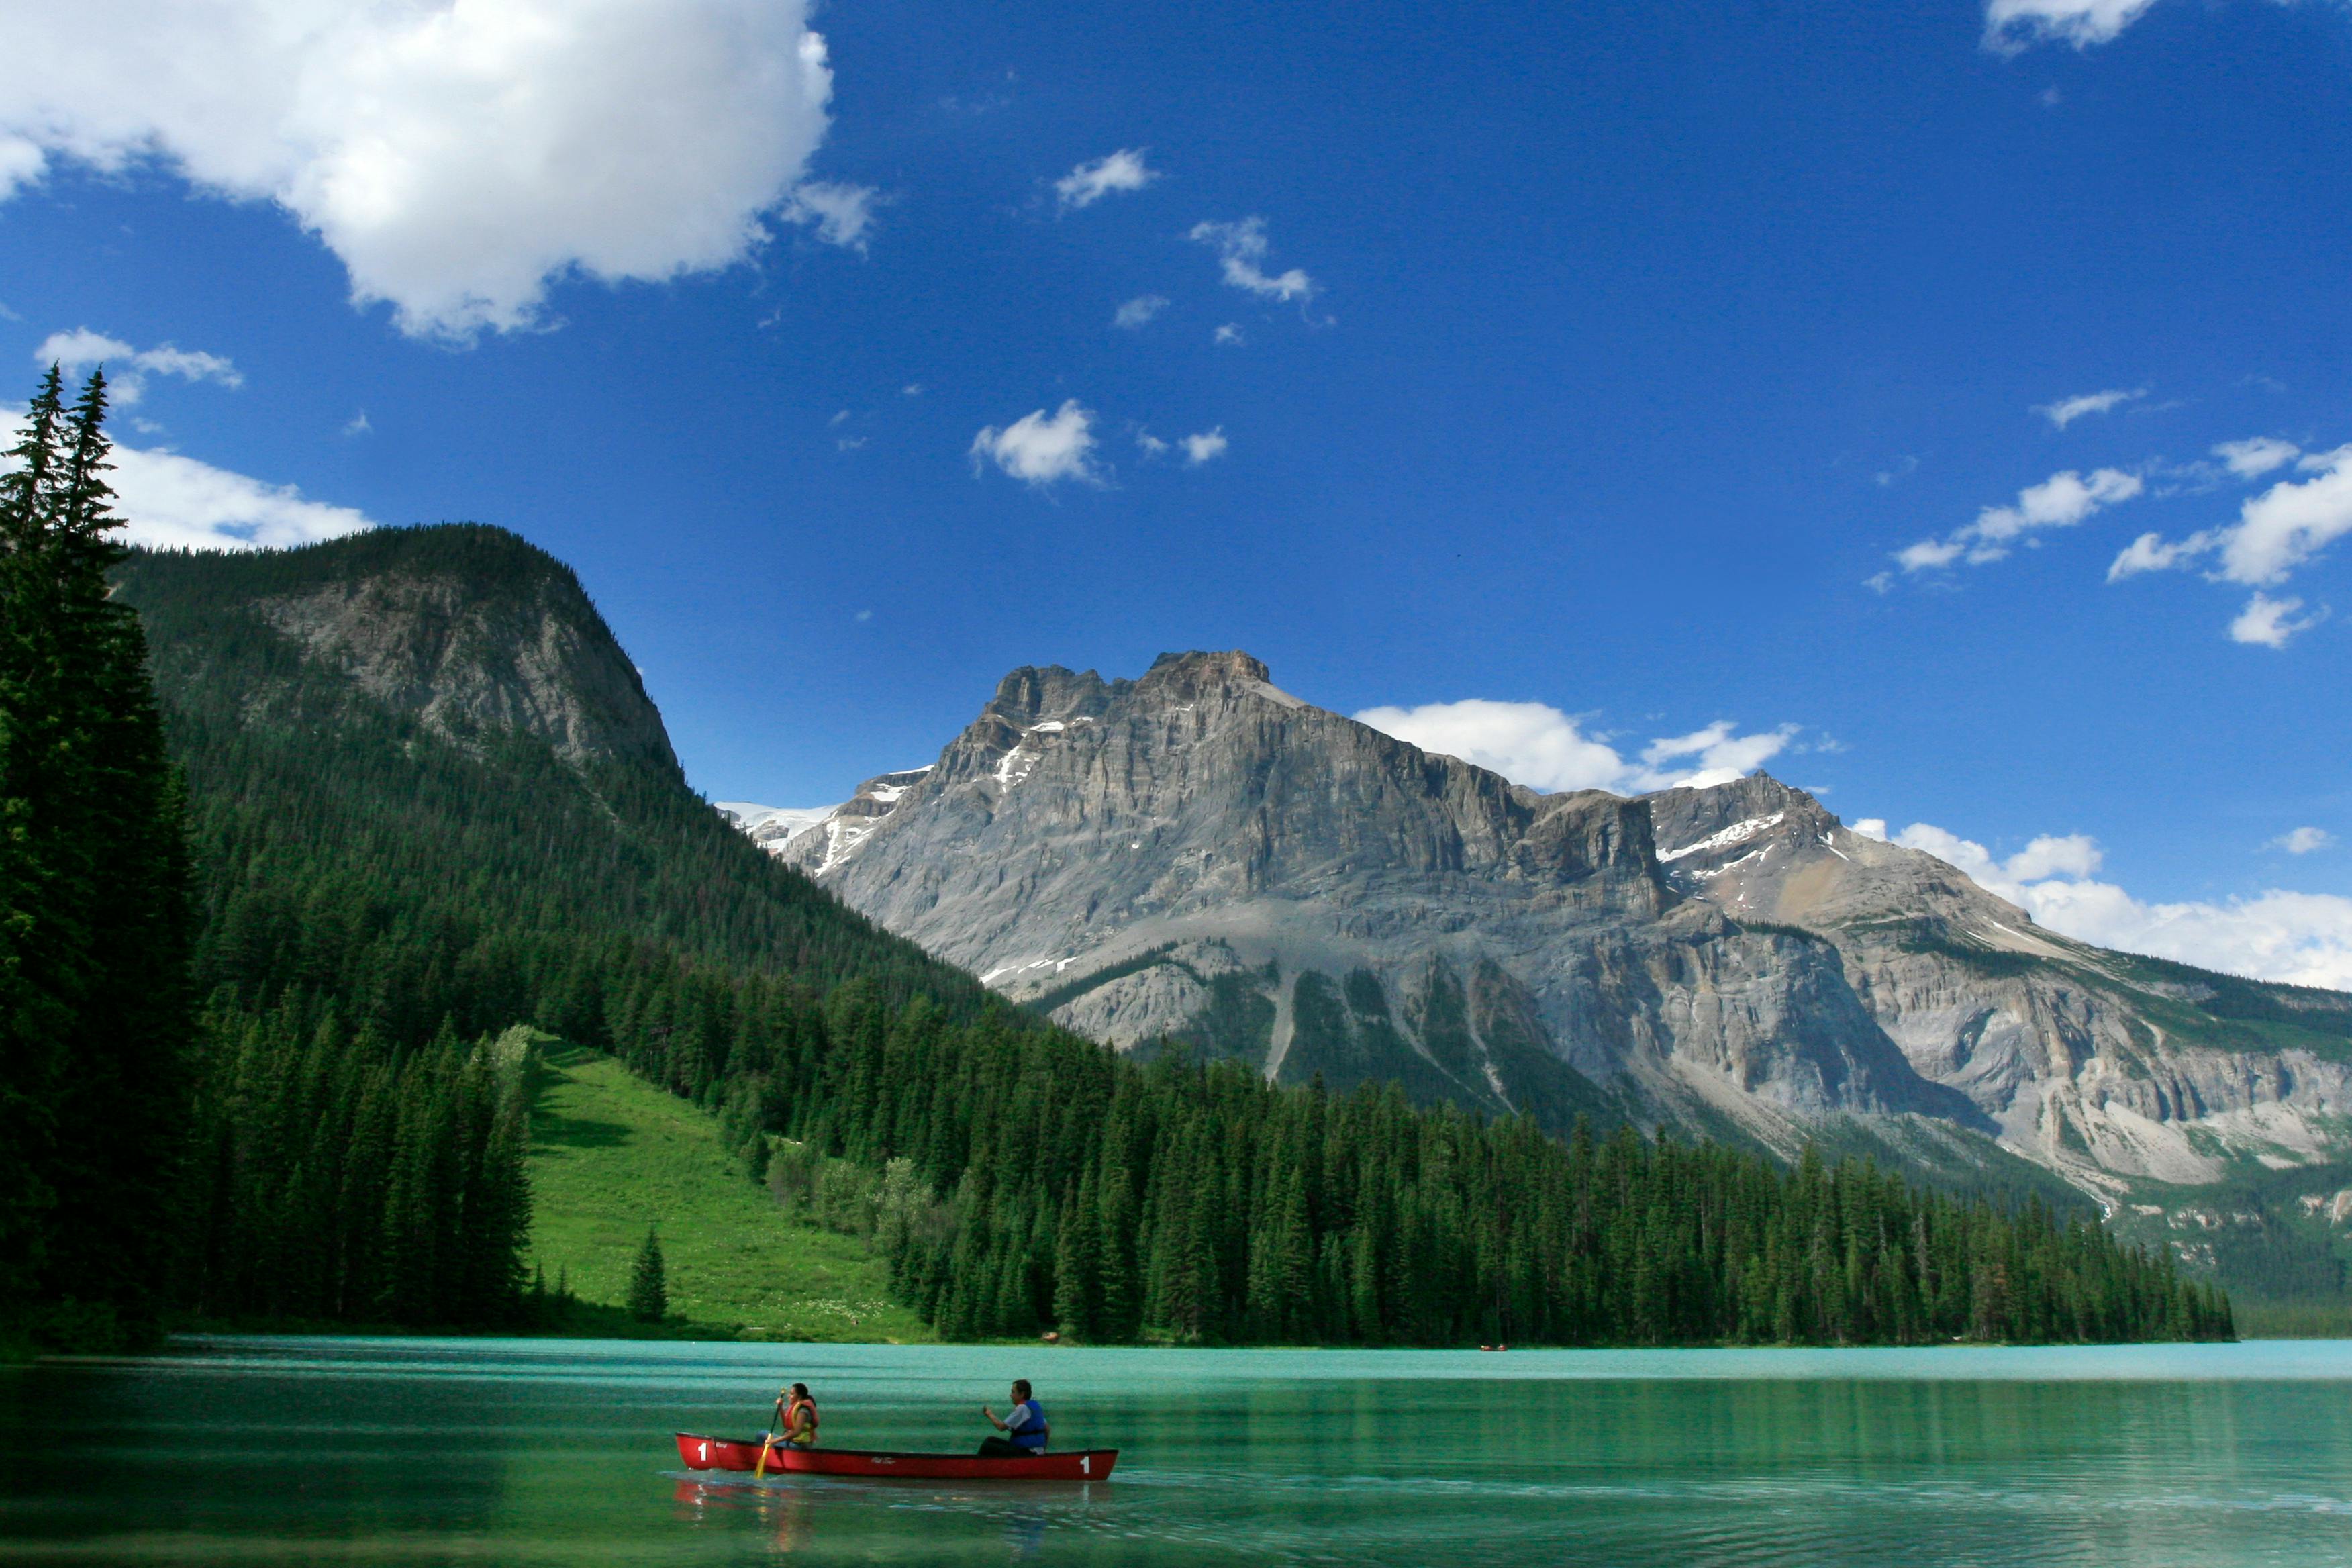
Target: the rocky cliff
(469, 631)
(1198, 856)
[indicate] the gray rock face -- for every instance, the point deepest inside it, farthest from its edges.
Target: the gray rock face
(1197, 856)
(2096, 1063)
(522, 652)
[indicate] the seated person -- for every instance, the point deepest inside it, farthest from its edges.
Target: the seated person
(1024, 1427)
(798, 1425)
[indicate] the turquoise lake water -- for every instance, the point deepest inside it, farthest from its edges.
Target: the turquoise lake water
(535, 1451)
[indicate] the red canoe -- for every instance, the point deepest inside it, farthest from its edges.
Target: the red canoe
(702, 1453)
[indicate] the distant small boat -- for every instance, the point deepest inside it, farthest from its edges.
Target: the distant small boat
(701, 1453)
(1494, 1347)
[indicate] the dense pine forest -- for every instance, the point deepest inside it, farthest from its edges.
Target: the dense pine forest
(332, 1129)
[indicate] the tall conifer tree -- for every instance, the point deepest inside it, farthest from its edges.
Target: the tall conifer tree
(95, 911)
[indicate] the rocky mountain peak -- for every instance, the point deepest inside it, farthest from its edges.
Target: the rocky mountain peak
(1034, 694)
(1186, 677)
(471, 630)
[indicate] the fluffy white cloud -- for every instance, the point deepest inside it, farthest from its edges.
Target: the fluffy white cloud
(2061, 501)
(1241, 250)
(1228, 335)
(1202, 448)
(843, 215)
(2066, 410)
(81, 350)
(2254, 458)
(2014, 25)
(173, 502)
(2283, 528)
(1139, 310)
(2303, 840)
(2304, 939)
(1042, 448)
(2292, 521)
(1090, 183)
(2268, 622)
(1539, 746)
(455, 156)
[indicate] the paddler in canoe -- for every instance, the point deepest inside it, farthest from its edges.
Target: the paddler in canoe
(796, 1422)
(791, 1425)
(1024, 1426)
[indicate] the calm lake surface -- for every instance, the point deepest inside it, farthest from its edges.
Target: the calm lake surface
(535, 1451)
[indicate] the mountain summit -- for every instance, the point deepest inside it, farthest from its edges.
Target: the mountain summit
(1198, 855)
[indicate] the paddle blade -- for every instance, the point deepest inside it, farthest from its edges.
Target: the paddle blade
(760, 1470)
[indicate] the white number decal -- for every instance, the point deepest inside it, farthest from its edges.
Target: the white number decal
(706, 1451)
(1086, 1464)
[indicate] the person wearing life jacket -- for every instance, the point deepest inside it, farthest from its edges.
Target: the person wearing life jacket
(798, 1424)
(1024, 1426)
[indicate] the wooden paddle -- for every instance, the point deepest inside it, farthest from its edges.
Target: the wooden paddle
(767, 1439)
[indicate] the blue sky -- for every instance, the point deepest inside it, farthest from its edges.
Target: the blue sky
(1789, 382)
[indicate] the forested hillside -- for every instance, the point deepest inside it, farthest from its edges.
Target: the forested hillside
(414, 836)
(386, 879)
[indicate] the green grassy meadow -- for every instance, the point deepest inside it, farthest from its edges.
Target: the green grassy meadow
(611, 1154)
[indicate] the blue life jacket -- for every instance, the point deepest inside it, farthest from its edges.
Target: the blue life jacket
(1030, 1433)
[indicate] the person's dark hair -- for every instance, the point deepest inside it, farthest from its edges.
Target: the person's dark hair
(800, 1391)
(1020, 1387)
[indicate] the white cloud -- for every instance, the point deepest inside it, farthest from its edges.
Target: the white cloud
(2304, 939)
(2066, 410)
(2061, 501)
(1240, 249)
(1042, 448)
(2292, 521)
(81, 350)
(1714, 755)
(2283, 528)
(2257, 456)
(2014, 25)
(1927, 553)
(2269, 622)
(455, 156)
(1203, 448)
(2303, 840)
(1090, 183)
(2151, 552)
(1151, 445)
(173, 502)
(357, 424)
(1228, 335)
(1539, 746)
(842, 214)
(1139, 310)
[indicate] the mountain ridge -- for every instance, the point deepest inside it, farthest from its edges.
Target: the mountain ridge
(1733, 952)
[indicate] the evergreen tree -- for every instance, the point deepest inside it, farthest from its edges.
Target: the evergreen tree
(648, 1291)
(95, 882)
